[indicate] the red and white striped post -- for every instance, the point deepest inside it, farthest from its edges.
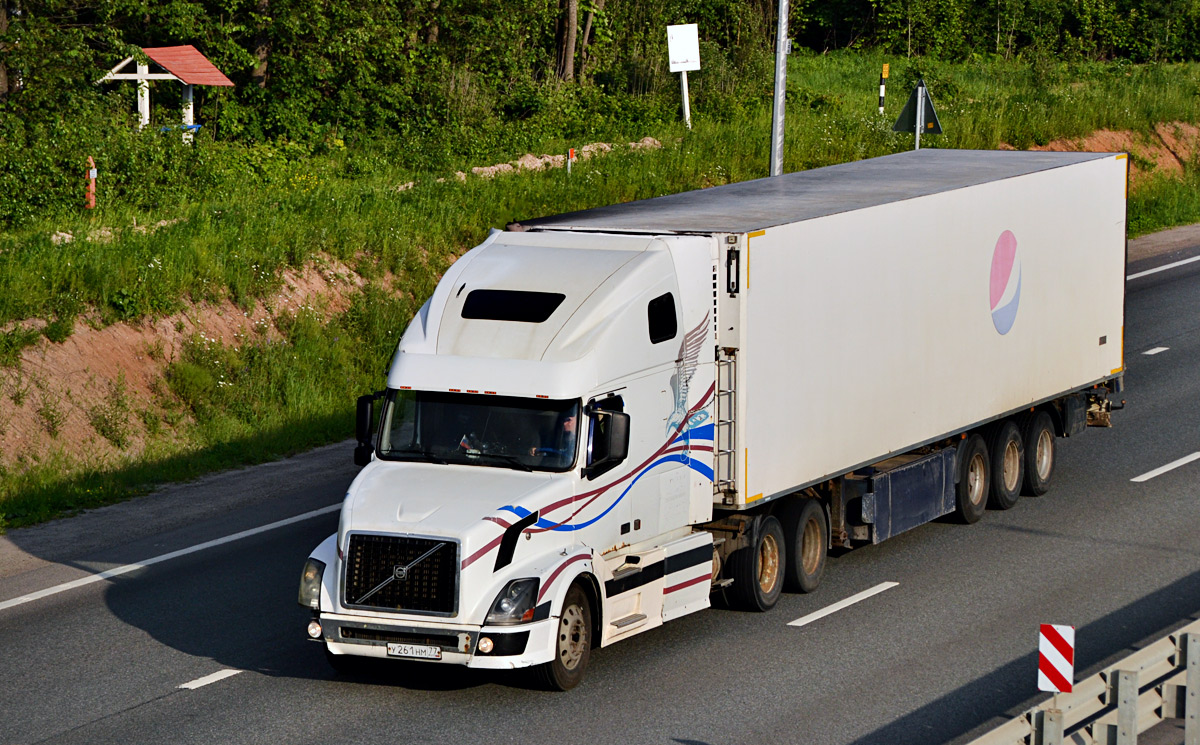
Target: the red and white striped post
(570, 159)
(1056, 658)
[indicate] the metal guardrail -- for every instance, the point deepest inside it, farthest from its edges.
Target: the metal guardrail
(1114, 706)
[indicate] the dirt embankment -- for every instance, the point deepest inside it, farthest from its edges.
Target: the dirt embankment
(63, 395)
(94, 396)
(1173, 146)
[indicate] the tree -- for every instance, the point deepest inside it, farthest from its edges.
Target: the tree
(566, 44)
(3, 49)
(596, 9)
(262, 42)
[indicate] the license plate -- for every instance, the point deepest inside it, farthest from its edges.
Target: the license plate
(419, 651)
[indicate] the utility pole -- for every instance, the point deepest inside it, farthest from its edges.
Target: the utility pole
(781, 51)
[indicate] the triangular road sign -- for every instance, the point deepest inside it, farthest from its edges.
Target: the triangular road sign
(908, 118)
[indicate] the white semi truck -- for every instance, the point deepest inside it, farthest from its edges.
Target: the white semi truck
(601, 419)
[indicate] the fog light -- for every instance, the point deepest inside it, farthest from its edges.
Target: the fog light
(485, 644)
(314, 629)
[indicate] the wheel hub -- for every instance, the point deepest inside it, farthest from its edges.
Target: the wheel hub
(811, 547)
(975, 479)
(768, 564)
(1012, 466)
(1045, 454)
(572, 637)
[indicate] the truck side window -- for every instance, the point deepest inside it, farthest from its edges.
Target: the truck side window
(661, 314)
(609, 403)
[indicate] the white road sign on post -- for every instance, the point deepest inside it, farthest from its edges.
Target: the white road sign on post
(683, 50)
(1056, 658)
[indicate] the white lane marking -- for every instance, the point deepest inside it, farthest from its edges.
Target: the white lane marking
(207, 679)
(843, 604)
(101, 576)
(1163, 268)
(1156, 350)
(1169, 467)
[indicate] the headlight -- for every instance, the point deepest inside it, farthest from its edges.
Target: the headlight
(310, 584)
(515, 603)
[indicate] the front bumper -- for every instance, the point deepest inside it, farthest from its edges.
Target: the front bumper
(513, 646)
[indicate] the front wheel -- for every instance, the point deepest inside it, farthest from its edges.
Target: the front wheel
(572, 644)
(758, 569)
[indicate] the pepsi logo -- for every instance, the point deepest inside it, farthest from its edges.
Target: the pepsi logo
(1005, 282)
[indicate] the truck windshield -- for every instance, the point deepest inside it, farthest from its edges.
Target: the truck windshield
(527, 434)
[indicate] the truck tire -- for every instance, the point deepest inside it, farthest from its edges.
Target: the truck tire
(758, 569)
(572, 645)
(1040, 453)
(806, 535)
(974, 469)
(1008, 465)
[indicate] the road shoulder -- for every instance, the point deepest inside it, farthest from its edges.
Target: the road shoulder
(270, 491)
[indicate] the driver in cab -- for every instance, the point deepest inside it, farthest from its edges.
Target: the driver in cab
(559, 443)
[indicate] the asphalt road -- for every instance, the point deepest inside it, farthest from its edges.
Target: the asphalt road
(938, 658)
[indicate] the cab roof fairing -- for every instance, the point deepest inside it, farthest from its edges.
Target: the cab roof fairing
(422, 332)
(584, 343)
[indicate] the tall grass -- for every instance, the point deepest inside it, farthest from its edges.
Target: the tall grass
(230, 406)
(234, 240)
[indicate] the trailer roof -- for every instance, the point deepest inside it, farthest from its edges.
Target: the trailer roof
(804, 195)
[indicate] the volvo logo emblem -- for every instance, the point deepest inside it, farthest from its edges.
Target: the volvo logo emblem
(400, 573)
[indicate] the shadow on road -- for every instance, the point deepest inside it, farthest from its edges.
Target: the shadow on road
(235, 603)
(954, 718)
(239, 609)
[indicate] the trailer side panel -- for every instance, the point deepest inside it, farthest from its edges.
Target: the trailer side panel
(866, 333)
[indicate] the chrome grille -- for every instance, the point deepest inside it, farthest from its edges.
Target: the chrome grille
(426, 586)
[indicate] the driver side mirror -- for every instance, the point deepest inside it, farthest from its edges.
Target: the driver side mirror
(609, 444)
(364, 417)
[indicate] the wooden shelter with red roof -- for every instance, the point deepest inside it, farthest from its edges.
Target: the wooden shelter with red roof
(183, 63)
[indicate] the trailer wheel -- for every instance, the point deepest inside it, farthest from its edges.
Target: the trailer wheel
(758, 569)
(973, 477)
(1008, 465)
(573, 644)
(807, 534)
(1039, 453)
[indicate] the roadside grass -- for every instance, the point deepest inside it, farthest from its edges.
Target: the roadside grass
(221, 406)
(59, 485)
(252, 223)
(1164, 203)
(982, 104)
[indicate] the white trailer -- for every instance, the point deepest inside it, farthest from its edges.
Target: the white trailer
(601, 418)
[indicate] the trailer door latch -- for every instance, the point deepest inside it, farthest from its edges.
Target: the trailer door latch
(732, 270)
